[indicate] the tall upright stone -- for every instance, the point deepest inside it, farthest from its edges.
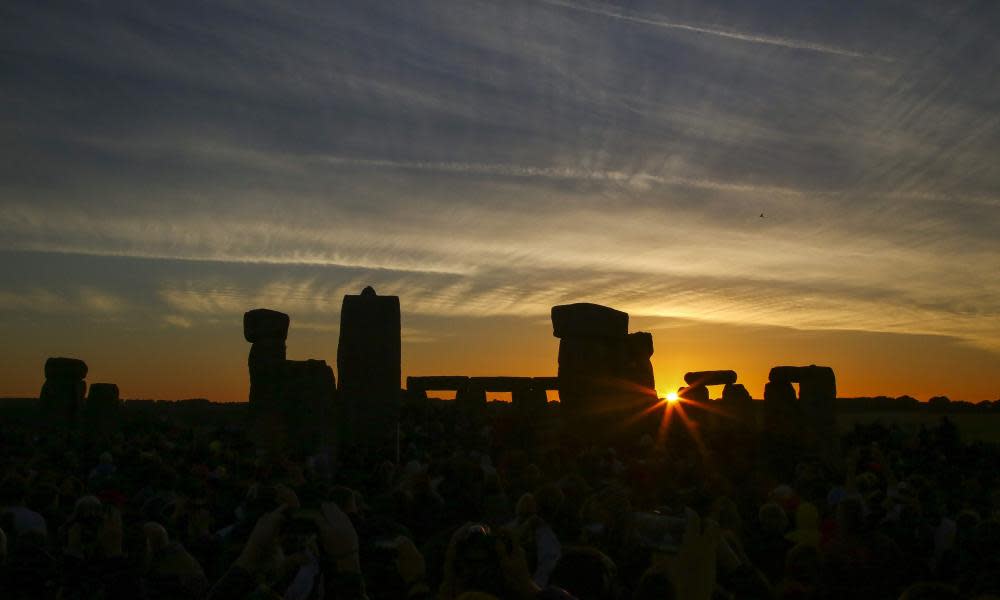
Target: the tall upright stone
(307, 406)
(103, 411)
(781, 409)
(369, 357)
(292, 402)
(817, 394)
(605, 375)
(267, 331)
(62, 395)
(813, 420)
(738, 404)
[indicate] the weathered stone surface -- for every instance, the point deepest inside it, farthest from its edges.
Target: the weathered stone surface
(265, 324)
(68, 369)
(710, 378)
(437, 383)
(588, 320)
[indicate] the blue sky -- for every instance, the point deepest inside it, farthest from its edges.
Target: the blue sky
(167, 166)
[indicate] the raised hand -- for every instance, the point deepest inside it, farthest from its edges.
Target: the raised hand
(338, 537)
(692, 570)
(263, 541)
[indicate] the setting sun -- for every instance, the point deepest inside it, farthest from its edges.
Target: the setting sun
(671, 397)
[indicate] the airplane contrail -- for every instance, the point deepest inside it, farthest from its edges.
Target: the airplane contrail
(733, 35)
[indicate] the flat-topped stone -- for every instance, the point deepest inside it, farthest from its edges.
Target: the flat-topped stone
(68, 369)
(710, 377)
(262, 324)
(585, 319)
(449, 383)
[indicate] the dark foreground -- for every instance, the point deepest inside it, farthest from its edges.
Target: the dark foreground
(179, 503)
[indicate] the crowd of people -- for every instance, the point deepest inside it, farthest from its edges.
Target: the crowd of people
(489, 506)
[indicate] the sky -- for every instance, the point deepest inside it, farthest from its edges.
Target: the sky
(765, 183)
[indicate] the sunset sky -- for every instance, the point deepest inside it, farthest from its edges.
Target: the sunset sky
(165, 167)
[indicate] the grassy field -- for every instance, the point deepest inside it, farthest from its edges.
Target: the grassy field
(972, 426)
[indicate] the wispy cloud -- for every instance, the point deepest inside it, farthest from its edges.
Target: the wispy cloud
(490, 159)
(54, 300)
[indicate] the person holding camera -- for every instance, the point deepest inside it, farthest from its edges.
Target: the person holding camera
(487, 562)
(341, 569)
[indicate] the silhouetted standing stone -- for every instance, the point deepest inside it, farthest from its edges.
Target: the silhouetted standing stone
(103, 410)
(63, 392)
(605, 375)
(369, 364)
(735, 393)
(267, 331)
(738, 404)
(781, 410)
(695, 393)
(307, 404)
(638, 367)
(817, 394)
(292, 402)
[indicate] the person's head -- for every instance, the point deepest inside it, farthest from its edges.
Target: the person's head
(549, 499)
(727, 515)
(585, 572)
(802, 563)
(773, 520)
(156, 538)
(526, 506)
(476, 565)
